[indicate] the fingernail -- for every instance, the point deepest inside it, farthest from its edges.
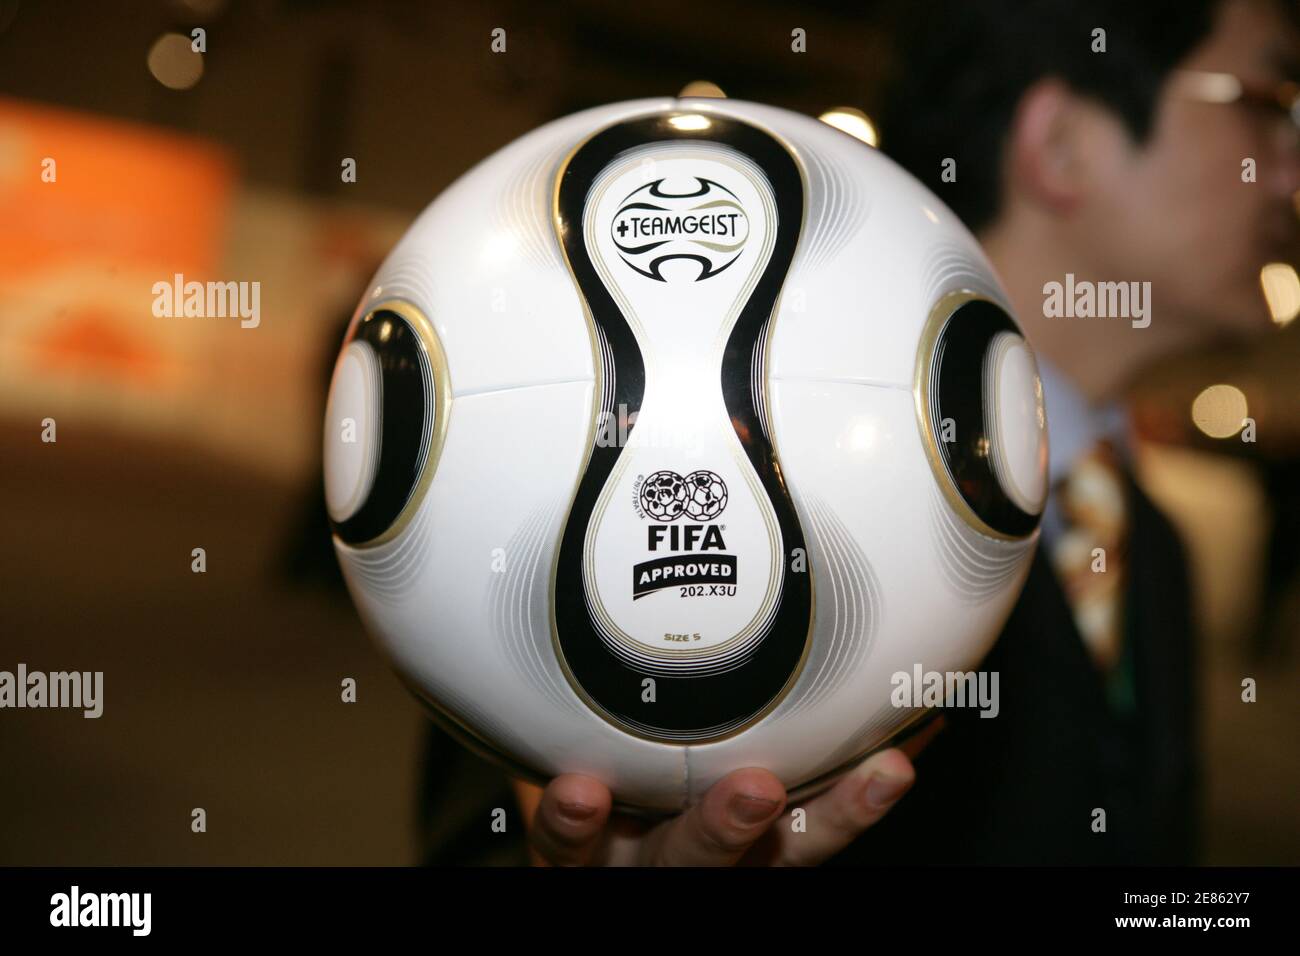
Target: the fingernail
(883, 791)
(747, 810)
(576, 812)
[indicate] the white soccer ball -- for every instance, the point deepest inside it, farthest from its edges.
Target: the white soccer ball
(669, 435)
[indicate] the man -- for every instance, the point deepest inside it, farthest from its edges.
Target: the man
(1080, 157)
(1117, 166)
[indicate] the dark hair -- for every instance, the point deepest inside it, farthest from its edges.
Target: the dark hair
(963, 66)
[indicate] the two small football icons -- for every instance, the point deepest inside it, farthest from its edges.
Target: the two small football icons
(666, 495)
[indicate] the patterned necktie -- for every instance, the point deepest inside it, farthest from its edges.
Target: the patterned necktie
(1090, 557)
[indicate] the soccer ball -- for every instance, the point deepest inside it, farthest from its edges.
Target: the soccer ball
(706, 496)
(671, 438)
(663, 495)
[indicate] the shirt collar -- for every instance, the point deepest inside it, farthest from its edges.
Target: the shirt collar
(1073, 425)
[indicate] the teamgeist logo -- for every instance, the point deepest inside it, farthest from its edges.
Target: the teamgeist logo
(707, 226)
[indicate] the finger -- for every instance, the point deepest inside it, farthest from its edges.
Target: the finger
(570, 820)
(837, 817)
(735, 812)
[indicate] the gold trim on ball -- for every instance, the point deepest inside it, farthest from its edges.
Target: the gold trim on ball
(940, 313)
(431, 345)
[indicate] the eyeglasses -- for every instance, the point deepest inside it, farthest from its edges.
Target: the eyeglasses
(1282, 101)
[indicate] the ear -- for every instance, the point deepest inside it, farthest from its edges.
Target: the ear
(1044, 162)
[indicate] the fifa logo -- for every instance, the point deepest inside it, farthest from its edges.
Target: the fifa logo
(706, 225)
(701, 496)
(690, 537)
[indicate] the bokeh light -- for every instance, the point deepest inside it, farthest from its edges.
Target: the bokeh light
(702, 88)
(173, 62)
(852, 121)
(1281, 291)
(1220, 411)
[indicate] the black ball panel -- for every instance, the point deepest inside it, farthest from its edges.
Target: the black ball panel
(405, 422)
(957, 390)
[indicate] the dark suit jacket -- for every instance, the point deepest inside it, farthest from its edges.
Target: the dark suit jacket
(1022, 787)
(1018, 788)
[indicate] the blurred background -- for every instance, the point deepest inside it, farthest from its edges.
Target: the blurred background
(222, 689)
